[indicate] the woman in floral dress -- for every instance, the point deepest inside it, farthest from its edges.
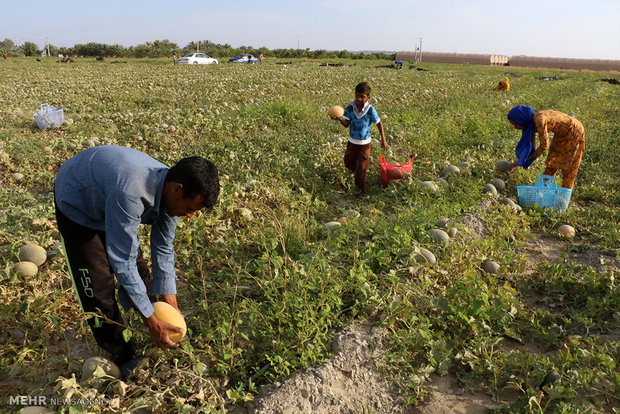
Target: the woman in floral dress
(567, 146)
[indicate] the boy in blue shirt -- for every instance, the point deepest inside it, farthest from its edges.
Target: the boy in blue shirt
(359, 117)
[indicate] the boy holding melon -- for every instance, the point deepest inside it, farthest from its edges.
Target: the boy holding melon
(359, 117)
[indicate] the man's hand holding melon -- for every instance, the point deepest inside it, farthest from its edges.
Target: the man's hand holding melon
(166, 324)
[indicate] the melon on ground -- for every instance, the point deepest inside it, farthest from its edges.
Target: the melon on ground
(499, 184)
(422, 255)
(490, 266)
(168, 313)
(443, 223)
(35, 409)
(33, 253)
(490, 188)
(335, 111)
(430, 186)
(25, 268)
(91, 364)
(438, 236)
(503, 165)
(332, 226)
(566, 230)
(450, 169)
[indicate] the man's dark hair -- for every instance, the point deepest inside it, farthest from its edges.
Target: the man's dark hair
(199, 176)
(363, 87)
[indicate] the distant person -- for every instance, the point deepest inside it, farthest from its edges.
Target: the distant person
(174, 59)
(566, 149)
(398, 64)
(359, 117)
(102, 195)
(4, 56)
(260, 58)
(503, 85)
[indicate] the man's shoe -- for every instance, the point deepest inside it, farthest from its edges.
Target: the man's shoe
(127, 368)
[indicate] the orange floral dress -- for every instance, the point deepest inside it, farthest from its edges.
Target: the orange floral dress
(567, 146)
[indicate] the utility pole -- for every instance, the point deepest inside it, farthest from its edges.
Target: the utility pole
(47, 47)
(298, 51)
(420, 55)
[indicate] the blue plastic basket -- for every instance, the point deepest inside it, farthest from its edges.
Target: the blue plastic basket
(544, 193)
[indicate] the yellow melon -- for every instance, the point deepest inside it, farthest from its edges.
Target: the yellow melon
(169, 314)
(566, 230)
(335, 111)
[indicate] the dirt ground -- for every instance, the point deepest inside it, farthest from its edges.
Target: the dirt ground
(352, 383)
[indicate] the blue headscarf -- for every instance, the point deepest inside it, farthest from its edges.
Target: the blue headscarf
(524, 116)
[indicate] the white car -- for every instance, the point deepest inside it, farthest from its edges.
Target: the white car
(197, 58)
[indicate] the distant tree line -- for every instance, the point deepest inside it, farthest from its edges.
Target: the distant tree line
(165, 48)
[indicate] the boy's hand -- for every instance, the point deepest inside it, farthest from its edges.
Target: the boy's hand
(384, 144)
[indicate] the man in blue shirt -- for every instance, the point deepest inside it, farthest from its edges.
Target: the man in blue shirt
(102, 195)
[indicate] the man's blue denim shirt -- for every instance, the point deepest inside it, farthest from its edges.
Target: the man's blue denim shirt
(115, 189)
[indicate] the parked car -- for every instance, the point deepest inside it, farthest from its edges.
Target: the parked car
(243, 58)
(196, 59)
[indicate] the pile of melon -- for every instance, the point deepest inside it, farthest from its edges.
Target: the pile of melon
(31, 256)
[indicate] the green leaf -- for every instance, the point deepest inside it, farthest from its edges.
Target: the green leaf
(127, 335)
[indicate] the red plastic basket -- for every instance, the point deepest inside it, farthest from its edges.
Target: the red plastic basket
(385, 167)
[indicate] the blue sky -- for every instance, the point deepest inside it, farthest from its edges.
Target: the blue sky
(562, 28)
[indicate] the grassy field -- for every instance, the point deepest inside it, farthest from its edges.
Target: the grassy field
(264, 284)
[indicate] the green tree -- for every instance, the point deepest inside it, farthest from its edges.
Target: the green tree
(30, 49)
(7, 45)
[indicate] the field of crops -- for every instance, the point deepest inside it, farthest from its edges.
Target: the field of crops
(264, 284)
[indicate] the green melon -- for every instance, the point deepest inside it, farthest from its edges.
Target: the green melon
(108, 367)
(490, 266)
(33, 253)
(443, 223)
(499, 184)
(450, 170)
(332, 226)
(34, 409)
(25, 268)
(429, 186)
(503, 165)
(422, 255)
(490, 189)
(438, 236)
(428, 255)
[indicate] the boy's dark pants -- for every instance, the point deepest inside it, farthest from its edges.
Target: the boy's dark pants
(357, 159)
(93, 280)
